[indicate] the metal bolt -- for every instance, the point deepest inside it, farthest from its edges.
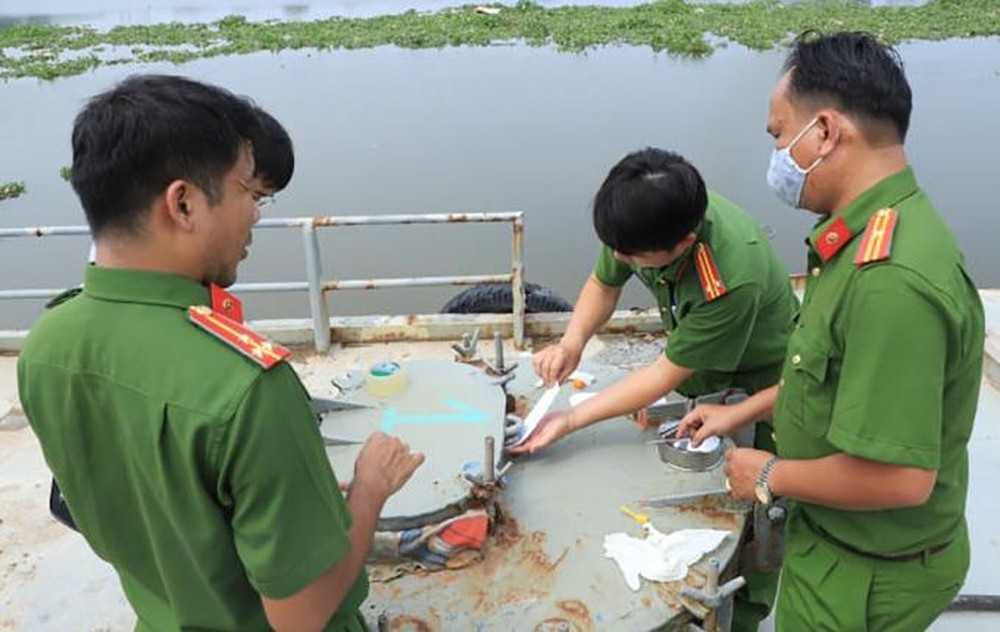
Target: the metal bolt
(712, 585)
(776, 513)
(489, 467)
(498, 351)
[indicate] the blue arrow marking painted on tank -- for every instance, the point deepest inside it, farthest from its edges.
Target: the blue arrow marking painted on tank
(463, 414)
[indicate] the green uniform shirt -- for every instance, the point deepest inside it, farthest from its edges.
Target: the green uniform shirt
(885, 364)
(199, 476)
(737, 340)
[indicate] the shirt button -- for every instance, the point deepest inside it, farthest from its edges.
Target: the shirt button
(816, 271)
(796, 359)
(781, 382)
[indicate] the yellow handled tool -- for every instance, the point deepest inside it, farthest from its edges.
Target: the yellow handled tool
(638, 517)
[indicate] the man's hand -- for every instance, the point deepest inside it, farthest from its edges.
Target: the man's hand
(384, 465)
(552, 427)
(743, 465)
(707, 420)
(554, 363)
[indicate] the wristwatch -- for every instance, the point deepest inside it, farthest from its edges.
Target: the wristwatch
(762, 489)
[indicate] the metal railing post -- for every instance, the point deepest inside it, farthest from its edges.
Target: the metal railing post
(517, 281)
(317, 297)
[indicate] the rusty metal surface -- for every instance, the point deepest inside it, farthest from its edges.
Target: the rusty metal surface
(545, 568)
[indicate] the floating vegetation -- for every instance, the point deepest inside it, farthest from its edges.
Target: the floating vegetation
(672, 26)
(11, 190)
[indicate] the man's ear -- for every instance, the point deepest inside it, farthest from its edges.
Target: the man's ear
(830, 124)
(178, 202)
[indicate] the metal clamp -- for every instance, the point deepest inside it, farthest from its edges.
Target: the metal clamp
(713, 603)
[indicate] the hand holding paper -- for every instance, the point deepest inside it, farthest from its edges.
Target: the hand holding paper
(542, 428)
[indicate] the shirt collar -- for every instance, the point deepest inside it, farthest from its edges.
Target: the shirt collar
(143, 286)
(833, 232)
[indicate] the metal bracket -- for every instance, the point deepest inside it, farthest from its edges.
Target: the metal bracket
(765, 550)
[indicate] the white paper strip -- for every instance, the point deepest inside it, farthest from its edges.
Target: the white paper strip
(578, 398)
(536, 414)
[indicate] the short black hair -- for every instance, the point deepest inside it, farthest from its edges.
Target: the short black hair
(273, 153)
(132, 141)
(651, 200)
(853, 71)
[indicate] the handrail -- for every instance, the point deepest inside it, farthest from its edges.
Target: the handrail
(317, 287)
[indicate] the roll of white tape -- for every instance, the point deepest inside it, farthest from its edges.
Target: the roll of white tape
(386, 379)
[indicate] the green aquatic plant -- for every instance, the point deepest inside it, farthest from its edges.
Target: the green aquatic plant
(671, 26)
(11, 190)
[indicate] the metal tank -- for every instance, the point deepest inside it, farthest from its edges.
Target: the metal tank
(543, 566)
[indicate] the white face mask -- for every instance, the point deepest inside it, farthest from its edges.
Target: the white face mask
(785, 177)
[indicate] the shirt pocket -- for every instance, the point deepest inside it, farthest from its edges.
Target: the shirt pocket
(805, 408)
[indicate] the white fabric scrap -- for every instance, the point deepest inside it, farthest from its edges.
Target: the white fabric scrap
(659, 557)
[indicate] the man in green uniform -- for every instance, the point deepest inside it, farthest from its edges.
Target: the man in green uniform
(876, 402)
(724, 297)
(193, 465)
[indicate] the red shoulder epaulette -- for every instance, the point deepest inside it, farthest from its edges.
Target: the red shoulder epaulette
(252, 345)
(877, 241)
(708, 273)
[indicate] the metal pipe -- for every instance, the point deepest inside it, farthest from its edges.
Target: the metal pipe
(44, 231)
(432, 218)
(280, 286)
(517, 281)
(371, 284)
(30, 293)
(294, 222)
(317, 297)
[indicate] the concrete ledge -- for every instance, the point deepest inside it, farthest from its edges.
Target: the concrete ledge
(298, 332)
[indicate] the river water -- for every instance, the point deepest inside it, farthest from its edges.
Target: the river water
(501, 128)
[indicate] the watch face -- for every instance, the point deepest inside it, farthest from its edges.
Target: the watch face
(762, 493)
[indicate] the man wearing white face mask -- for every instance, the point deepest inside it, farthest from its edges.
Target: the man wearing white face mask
(785, 177)
(878, 393)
